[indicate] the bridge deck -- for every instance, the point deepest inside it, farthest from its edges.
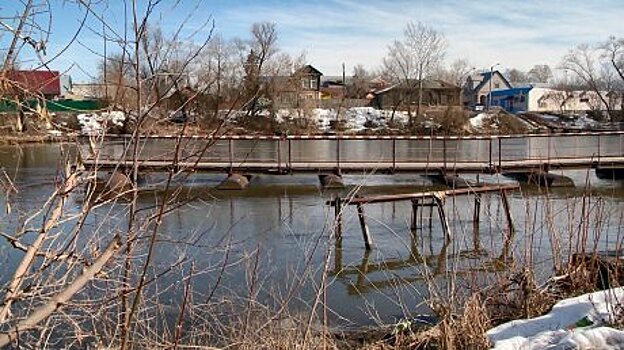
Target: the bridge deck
(359, 167)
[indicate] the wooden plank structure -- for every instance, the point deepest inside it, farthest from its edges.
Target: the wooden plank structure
(429, 199)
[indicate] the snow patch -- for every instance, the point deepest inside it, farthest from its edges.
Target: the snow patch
(564, 326)
(95, 124)
(478, 121)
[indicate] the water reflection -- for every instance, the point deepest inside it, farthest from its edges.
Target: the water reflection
(282, 218)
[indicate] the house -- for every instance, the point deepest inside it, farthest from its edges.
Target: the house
(477, 87)
(301, 87)
(44, 83)
(544, 99)
(333, 87)
(402, 95)
(85, 91)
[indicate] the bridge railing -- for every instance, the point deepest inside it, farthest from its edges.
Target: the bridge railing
(387, 151)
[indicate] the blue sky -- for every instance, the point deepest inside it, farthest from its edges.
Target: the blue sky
(515, 33)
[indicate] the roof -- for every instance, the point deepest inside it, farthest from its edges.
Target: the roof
(512, 91)
(308, 69)
(283, 79)
(486, 79)
(335, 79)
(427, 84)
(37, 81)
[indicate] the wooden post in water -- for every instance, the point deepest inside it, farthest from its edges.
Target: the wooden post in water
(338, 218)
(414, 224)
(500, 154)
(231, 154)
(430, 223)
(476, 217)
(338, 154)
(279, 156)
(289, 157)
(509, 238)
(337, 254)
(363, 270)
(443, 219)
(393, 155)
(368, 243)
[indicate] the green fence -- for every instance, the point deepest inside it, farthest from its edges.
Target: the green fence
(77, 106)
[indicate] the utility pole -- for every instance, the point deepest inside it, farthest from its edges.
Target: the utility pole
(489, 102)
(344, 79)
(344, 87)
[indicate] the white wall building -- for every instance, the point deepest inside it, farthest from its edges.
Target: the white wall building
(541, 99)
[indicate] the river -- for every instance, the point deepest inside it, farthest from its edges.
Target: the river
(284, 220)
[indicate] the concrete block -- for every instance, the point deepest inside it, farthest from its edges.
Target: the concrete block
(234, 182)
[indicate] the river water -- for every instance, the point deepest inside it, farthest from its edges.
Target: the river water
(281, 230)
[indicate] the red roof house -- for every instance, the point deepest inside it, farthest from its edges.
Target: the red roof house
(43, 82)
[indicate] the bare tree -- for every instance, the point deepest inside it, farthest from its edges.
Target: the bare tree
(540, 73)
(583, 61)
(456, 72)
(517, 77)
(219, 73)
(263, 46)
(428, 47)
(400, 67)
(613, 51)
(415, 58)
(358, 87)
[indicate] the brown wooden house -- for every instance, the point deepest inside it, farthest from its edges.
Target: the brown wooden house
(403, 95)
(300, 88)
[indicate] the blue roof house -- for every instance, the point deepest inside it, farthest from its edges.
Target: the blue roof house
(512, 100)
(533, 98)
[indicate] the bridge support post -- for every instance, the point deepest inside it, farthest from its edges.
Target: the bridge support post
(543, 178)
(117, 183)
(234, 181)
(453, 181)
(333, 180)
(610, 173)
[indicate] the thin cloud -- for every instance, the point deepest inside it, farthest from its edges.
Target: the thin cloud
(513, 33)
(516, 34)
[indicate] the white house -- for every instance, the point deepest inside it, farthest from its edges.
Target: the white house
(542, 99)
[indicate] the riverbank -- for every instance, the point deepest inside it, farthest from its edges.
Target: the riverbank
(352, 121)
(281, 238)
(8, 140)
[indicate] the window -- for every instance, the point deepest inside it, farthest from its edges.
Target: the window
(584, 100)
(496, 85)
(522, 98)
(304, 83)
(313, 84)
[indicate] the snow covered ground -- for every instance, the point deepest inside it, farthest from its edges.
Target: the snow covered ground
(354, 119)
(479, 120)
(94, 123)
(575, 323)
